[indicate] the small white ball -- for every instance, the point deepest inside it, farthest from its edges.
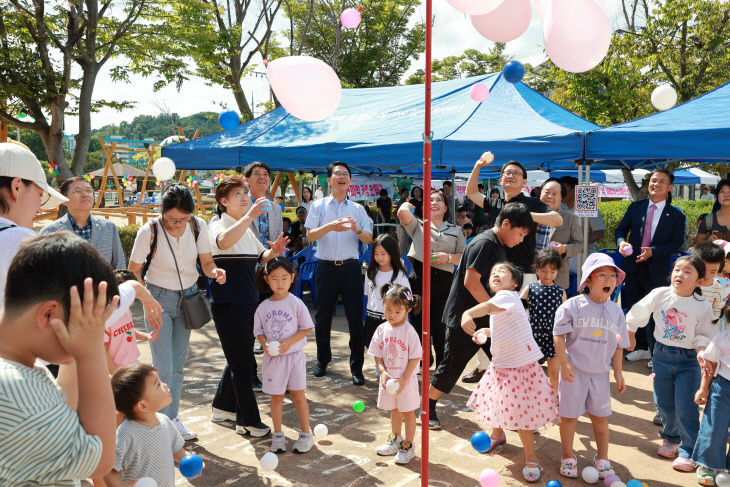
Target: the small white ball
(392, 386)
(590, 475)
(481, 338)
(274, 347)
(722, 479)
(146, 482)
(618, 483)
(321, 431)
(269, 461)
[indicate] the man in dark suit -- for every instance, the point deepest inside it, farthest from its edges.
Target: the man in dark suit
(654, 229)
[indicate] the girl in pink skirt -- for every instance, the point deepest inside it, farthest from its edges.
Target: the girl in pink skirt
(514, 393)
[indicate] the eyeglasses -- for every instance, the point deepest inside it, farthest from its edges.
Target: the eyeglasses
(341, 174)
(176, 222)
(82, 191)
(604, 276)
(512, 174)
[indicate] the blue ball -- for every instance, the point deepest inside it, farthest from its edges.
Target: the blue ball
(634, 483)
(229, 120)
(554, 483)
(191, 465)
(481, 441)
(513, 71)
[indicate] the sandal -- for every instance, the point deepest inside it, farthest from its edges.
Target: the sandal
(532, 474)
(569, 467)
(705, 476)
(501, 440)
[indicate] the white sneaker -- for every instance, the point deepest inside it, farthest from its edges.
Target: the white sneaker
(184, 432)
(638, 355)
(278, 443)
(391, 446)
(303, 444)
(219, 416)
(405, 454)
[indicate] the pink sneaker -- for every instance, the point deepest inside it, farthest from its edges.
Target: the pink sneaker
(668, 450)
(603, 467)
(569, 468)
(683, 464)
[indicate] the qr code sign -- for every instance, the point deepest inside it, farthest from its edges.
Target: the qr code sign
(586, 201)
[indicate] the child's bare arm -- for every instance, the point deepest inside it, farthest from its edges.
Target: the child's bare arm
(286, 343)
(152, 309)
(410, 369)
(481, 309)
(704, 390)
(178, 455)
(112, 479)
(110, 363)
(525, 293)
(565, 368)
(617, 364)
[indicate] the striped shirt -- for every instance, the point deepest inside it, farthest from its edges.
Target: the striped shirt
(512, 342)
(144, 451)
(42, 442)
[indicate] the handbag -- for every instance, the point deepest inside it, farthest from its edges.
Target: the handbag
(196, 308)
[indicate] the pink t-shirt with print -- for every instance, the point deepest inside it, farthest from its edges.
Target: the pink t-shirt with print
(396, 346)
(120, 341)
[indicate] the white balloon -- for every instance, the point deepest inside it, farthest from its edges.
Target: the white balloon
(618, 483)
(392, 386)
(722, 479)
(321, 431)
(274, 347)
(663, 97)
(269, 461)
(146, 482)
(164, 169)
(590, 475)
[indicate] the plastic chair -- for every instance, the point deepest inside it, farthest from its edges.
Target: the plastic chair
(307, 253)
(364, 254)
(673, 258)
(407, 264)
(572, 285)
(306, 275)
(615, 255)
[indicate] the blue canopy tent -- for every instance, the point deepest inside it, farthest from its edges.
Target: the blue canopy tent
(697, 130)
(379, 130)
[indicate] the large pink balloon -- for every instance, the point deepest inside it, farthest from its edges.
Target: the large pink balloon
(577, 34)
(506, 22)
(543, 8)
(306, 87)
(476, 7)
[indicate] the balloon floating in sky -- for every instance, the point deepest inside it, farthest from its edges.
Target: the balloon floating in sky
(513, 71)
(476, 7)
(663, 97)
(358, 406)
(164, 169)
(576, 34)
(489, 478)
(229, 119)
(506, 22)
(191, 465)
(306, 87)
(481, 441)
(350, 18)
(479, 92)
(269, 461)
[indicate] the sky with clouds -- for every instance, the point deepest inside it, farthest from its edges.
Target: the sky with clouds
(452, 34)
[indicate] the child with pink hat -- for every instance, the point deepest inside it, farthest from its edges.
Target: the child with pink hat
(589, 333)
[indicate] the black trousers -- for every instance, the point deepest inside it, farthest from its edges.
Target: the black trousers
(440, 287)
(637, 286)
(332, 281)
(234, 324)
(459, 350)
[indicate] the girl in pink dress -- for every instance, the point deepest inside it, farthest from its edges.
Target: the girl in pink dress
(397, 352)
(514, 393)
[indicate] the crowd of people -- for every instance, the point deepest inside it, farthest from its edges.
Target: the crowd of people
(498, 293)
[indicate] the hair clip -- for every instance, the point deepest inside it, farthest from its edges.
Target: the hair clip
(408, 295)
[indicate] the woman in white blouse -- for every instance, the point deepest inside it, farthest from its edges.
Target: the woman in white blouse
(179, 236)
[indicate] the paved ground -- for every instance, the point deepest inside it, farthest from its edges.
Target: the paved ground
(346, 458)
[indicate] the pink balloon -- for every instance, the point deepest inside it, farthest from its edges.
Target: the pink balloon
(350, 18)
(506, 22)
(476, 7)
(479, 92)
(576, 34)
(628, 250)
(306, 87)
(489, 478)
(543, 8)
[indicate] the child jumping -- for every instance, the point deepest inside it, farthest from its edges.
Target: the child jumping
(683, 329)
(148, 443)
(397, 352)
(281, 325)
(589, 333)
(514, 392)
(544, 297)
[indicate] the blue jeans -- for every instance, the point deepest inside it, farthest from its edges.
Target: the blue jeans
(171, 348)
(677, 378)
(711, 448)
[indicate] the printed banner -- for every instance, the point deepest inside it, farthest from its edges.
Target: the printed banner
(365, 188)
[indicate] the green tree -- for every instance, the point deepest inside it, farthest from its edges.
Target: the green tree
(376, 53)
(685, 43)
(471, 62)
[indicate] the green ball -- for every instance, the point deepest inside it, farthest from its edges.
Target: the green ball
(358, 406)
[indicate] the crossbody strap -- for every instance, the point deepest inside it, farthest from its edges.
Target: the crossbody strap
(173, 258)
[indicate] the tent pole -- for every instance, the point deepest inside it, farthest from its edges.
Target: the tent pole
(426, 308)
(580, 255)
(452, 209)
(586, 223)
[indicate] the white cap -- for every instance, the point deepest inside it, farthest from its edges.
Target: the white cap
(18, 162)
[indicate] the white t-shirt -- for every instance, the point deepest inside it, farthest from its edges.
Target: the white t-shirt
(373, 289)
(512, 342)
(718, 351)
(716, 294)
(162, 267)
(10, 239)
(684, 322)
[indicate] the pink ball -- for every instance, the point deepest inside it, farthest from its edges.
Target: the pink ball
(506, 22)
(489, 478)
(306, 87)
(350, 18)
(611, 479)
(628, 250)
(576, 34)
(476, 7)
(479, 92)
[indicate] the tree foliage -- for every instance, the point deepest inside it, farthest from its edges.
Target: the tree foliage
(161, 126)
(471, 62)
